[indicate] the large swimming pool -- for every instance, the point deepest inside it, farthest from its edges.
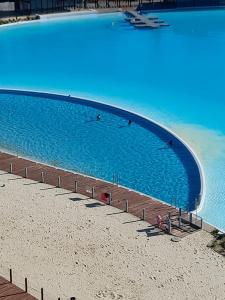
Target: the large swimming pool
(174, 75)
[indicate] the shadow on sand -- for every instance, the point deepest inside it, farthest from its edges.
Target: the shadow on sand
(78, 199)
(93, 205)
(152, 231)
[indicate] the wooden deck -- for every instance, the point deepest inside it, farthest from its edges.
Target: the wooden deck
(9, 291)
(136, 201)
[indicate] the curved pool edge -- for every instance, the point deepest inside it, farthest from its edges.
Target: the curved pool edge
(126, 112)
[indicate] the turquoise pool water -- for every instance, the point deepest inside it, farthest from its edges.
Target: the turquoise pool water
(174, 75)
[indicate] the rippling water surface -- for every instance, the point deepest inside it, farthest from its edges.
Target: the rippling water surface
(68, 135)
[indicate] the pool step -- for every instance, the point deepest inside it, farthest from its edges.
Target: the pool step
(140, 21)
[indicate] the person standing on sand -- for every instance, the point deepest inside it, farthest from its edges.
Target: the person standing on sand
(159, 221)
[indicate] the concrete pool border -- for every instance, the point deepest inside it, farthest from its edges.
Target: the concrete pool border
(126, 114)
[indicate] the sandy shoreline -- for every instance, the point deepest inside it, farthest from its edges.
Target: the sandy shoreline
(73, 247)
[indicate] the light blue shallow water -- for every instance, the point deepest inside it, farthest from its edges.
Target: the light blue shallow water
(174, 75)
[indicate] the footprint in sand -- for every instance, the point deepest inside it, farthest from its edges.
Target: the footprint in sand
(109, 295)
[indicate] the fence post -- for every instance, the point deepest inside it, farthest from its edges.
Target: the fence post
(190, 219)
(42, 294)
(59, 182)
(75, 187)
(179, 221)
(26, 172)
(143, 214)
(92, 192)
(110, 198)
(169, 224)
(10, 275)
(25, 285)
(126, 209)
(42, 177)
(10, 168)
(201, 222)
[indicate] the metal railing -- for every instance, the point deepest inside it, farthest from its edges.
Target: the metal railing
(27, 7)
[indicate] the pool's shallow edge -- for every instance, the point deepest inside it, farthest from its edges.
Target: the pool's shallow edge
(124, 112)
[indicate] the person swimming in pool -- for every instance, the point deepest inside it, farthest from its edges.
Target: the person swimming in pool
(98, 118)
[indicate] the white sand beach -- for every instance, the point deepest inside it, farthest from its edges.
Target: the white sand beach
(71, 246)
